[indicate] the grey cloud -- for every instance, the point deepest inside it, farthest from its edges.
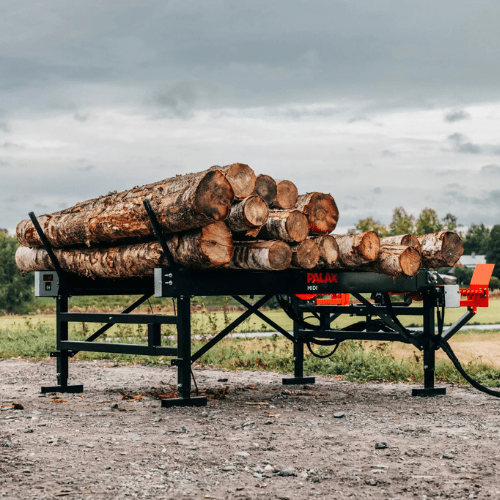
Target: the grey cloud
(5, 126)
(3, 163)
(266, 53)
(81, 117)
(460, 144)
(177, 101)
(84, 168)
(298, 113)
(456, 115)
(490, 170)
(388, 154)
(377, 190)
(11, 145)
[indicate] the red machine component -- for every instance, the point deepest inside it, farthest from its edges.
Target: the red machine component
(336, 299)
(478, 293)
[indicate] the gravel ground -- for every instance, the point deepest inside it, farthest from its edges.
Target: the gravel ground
(334, 439)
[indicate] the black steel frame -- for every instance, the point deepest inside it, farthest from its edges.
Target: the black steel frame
(182, 284)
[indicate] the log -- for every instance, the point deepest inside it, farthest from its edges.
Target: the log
(285, 225)
(396, 261)
(198, 203)
(408, 240)
(356, 249)
(261, 255)
(250, 213)
(328, 249)
(210, 246)
(205, 247)
(241, 178)
(442, 249)
(305, 255)
(265, 187)
(321, 211)
(286, 195)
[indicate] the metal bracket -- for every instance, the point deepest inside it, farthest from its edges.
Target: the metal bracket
(55, 354)
(176, 362)
(159, 235)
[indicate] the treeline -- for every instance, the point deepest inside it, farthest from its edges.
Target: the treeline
(477, 239)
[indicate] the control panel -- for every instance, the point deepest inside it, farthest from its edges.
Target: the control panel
(46, 284)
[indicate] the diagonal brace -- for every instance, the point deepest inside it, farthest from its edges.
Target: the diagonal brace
(106, 327)
(262, 316)
(387, 320)
(458, 324)
(230, 327)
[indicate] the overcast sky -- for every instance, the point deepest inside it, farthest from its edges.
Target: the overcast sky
(380, 103)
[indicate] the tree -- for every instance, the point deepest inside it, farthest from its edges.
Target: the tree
(450, 222)
(428, 222)
(16, 291)
(402, 222)
(476, 239)
(493, 250)
(369, 224)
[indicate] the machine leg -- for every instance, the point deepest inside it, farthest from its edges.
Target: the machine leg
(62, 355)
(429, 354)
(298, 354)
(184, 358)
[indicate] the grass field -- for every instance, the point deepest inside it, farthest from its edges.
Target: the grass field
(34, 337)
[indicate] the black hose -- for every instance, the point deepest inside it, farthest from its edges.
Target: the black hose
(449, 352)
(316, 355)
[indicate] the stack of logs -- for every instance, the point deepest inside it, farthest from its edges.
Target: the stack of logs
(224, 217)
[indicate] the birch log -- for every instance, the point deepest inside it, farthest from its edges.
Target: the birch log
(395, 261)
(198, 203)
(408, 240)
(442, 249)
(285, 225)
(265, 187)
(356, 249)
(305, 255)
(286, 195)
(210, 246)
(321, 211)
(328, 250)
(250, 213)
(261, 255)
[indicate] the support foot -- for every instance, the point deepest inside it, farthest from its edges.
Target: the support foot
(171, 402)
(299, 380)
(429, 393)
(62, 388)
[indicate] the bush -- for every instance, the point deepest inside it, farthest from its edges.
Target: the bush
(16, 291)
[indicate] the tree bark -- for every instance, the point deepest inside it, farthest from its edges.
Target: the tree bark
(408, 240)
(328, 250)
(321, 211)
(247, 214)
(395, 261)
(356, 250)
(305, 255)
(210, 246)
(265, 187)
(285, 225)
(442, 249)
(198, 203)
(205, 247)
(261, 255)
(286, 195)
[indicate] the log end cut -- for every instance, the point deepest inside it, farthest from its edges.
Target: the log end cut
(328, 249)
(369, 246)
(411, 261)
(242, 179)
(265, 187)
(452, 248)
(216, 243)
(321, 211)
(305, 255)
(213, 195)
(255, 212)
(297, 226)
(286, 195)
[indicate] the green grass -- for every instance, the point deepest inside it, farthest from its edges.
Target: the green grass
(352, 361)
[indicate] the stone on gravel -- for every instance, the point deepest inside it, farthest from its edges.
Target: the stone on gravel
(380, 446)
(339, 415)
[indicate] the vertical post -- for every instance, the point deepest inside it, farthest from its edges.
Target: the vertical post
(429, 350)
(62, 335)
(184, 358)
(184, 346)
(154, 334)
(61, 354)
(298, 350)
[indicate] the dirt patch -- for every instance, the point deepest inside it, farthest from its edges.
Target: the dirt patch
(255, 439)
